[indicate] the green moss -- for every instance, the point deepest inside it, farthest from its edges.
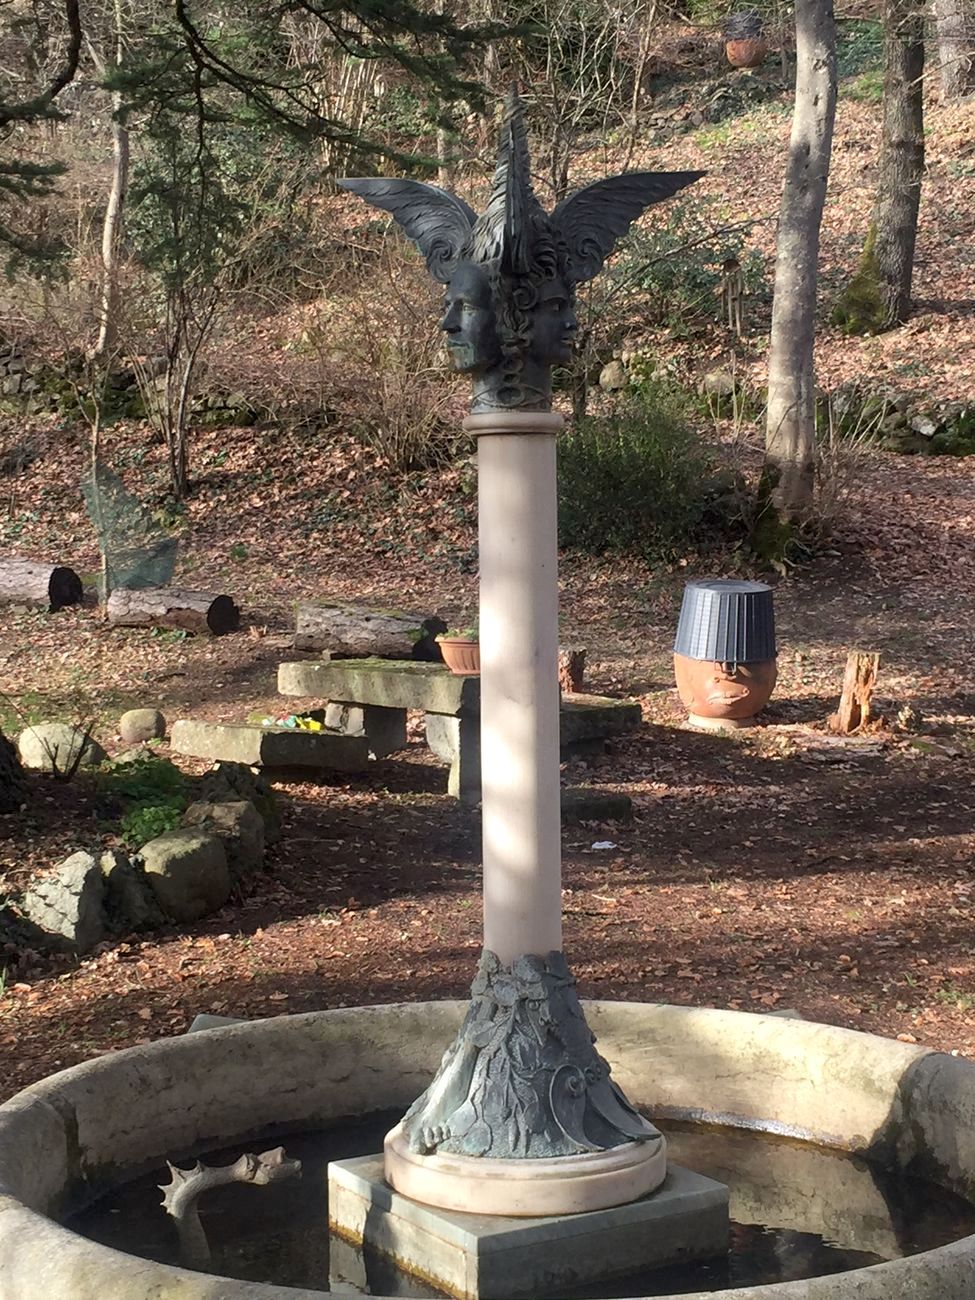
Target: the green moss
(860, 308)
(772, 533)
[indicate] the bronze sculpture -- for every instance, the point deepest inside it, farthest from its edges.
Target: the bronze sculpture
(511, 273)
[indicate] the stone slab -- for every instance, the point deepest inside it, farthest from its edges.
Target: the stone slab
(584, 804)
(385, 729)
(269, 746)
(594, 717)
(390, 684)
(481, 1257)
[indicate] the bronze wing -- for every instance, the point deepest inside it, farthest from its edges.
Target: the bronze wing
(593, 219)
(438, 223)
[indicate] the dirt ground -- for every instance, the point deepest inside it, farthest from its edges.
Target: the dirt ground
(777, 869)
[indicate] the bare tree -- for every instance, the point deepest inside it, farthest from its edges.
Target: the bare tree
(879, 295)
(788, 476)
(956, 46)
(106, 64)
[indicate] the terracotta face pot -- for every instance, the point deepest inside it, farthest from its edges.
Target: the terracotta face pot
(723, 694)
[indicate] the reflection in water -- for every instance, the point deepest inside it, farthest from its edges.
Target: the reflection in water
(797, 1212)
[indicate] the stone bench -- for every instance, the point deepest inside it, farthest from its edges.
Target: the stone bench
(368, 699)
(258, 746)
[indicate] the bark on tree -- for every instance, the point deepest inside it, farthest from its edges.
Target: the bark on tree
(956, 47)
(859, 680)
(43, 586)
(901, 159)
(353, 631)
(108, 329)
(11, 777)
(790, 429)
(191, 611)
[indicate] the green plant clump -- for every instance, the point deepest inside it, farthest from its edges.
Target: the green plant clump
(153, 793)
(637, 481)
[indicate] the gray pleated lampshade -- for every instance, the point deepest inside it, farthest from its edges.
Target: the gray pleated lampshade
(726, 621)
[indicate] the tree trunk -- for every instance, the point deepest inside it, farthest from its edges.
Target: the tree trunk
(43, 586)
(108, 330)
(901, 159)
(956, 47)
(790, 430)
(11, 777)
(353, 631)
(191, 611)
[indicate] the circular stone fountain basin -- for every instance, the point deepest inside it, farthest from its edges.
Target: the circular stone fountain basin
(69, 1139)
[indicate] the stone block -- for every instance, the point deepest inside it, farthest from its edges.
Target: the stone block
(241, 828)
(385, 729)
(67, 904)
(594, 717)
(388, 683)
(258, 746)
(583, 804)
(458, 742)
(187, 870)
(481, 1257)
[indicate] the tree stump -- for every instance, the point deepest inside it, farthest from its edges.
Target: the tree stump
(358, 631)
(171, 607)
(572, 669)
(859, 681)
(43, 586)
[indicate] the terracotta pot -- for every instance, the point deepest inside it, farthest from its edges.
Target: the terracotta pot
(461, 655)
(749, 53)
(717, 694)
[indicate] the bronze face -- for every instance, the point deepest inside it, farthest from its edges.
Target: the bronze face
(731, 691)
(554, 324)
(469, 320)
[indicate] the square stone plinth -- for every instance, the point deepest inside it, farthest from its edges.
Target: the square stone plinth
(484, 1257)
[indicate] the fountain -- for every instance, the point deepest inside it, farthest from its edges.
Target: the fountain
(526, 1163)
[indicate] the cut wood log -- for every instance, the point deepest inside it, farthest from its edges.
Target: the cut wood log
(572, 669)
(191, 611)
(43, 586)
(349, 631)
(859, 681)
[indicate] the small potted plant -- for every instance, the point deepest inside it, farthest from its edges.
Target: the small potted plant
(461, 650)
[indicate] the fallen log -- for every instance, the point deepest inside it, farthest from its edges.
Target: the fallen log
(349, 631)
(191, 611)
(43, 586)
(859, 680)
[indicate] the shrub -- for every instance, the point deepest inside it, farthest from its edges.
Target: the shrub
(153, 795)
(638, 481)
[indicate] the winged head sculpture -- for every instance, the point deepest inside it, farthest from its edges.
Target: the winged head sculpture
(511, 273)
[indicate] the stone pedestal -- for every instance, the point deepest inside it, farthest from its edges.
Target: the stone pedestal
(479, 1257)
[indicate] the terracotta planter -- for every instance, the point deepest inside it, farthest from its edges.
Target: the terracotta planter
(461, 655)
(721, 694)
(748, 53)
(724, 654)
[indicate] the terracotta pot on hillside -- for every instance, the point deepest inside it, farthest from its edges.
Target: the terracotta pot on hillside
(461, 653)
(745, 43)
(724, 654)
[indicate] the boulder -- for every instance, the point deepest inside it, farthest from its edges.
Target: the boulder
(58, 747)
(230, 782)
(241, 828)
(130, 903)
(612, 377)
(67, 904)
(139, 725)
(187, 870)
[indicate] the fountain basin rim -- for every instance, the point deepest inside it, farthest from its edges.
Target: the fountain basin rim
(76, 1133)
